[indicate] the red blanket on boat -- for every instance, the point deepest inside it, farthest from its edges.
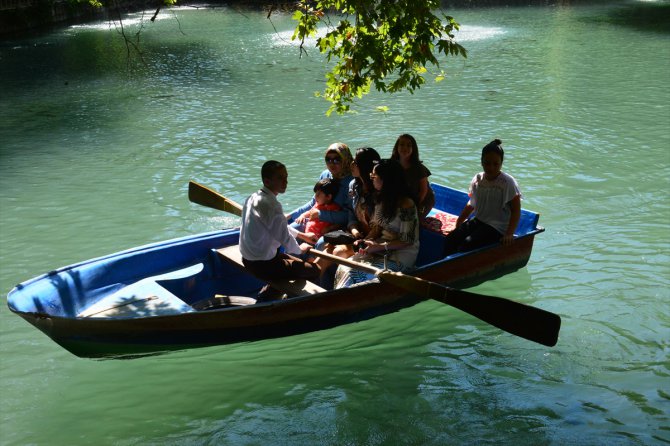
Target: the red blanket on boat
(440, 222)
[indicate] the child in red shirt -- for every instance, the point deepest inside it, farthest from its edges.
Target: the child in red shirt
(324, 192)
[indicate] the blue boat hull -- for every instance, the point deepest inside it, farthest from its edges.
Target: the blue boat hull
(156, 286)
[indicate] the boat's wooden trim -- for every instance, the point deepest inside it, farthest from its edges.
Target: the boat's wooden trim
(292, 288)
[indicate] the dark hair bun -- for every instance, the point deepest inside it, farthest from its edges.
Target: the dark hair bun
(494, 146)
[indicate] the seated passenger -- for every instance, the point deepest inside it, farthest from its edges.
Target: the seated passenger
(393, 240)
(324, 192)
(264, 231)
(361, 193)
(338, 167)
(406, 151)
(495, 201)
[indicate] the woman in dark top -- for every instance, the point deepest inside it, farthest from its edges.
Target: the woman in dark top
(406, 151)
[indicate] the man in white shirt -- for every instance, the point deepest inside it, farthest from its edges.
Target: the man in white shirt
(264, 230)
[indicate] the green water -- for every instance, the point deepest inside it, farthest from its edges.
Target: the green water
(95, 158)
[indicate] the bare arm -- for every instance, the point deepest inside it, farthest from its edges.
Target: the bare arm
(355, 231)
(372, 246)
(308, 237)
(423, 188)
(465, 213)
(375, 244)
(515, 207)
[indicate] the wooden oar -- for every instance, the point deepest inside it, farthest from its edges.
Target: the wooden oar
(205, 196)
(516, 318)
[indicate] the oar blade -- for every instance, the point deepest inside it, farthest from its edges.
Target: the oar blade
(534, 324)
(522, 320)
(199, 194)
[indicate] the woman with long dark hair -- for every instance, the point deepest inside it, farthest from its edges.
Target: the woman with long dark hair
(361, 191)
(406, 151)
(393, 239)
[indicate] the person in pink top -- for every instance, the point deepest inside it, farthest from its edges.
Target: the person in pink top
(324, 192)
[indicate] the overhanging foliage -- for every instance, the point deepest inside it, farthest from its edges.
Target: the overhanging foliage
(385, 44)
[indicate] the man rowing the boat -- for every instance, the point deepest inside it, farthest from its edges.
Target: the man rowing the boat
(264, 231)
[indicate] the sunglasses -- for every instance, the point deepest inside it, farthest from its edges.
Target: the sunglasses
(330, 160)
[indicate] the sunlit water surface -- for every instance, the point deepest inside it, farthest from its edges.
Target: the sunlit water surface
(96, 153)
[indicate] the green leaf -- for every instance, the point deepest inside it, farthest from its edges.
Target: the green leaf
(388, 45)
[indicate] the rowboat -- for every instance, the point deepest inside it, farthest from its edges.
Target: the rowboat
(191, 292)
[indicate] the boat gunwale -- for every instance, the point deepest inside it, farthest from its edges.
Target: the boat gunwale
(146, 247)
(219, 233)
(419, 271)
(115, 335)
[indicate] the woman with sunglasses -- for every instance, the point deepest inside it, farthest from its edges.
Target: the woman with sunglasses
(338, 167)
(361, 193)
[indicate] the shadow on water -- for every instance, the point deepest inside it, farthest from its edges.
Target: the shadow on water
(653, 17)
(75, 80)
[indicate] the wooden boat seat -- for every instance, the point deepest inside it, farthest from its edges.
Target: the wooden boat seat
(292, 288)
(222, 301)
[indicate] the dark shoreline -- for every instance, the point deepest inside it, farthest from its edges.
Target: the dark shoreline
(27, 18)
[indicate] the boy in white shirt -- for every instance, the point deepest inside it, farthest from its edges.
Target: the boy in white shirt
(264, 230)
